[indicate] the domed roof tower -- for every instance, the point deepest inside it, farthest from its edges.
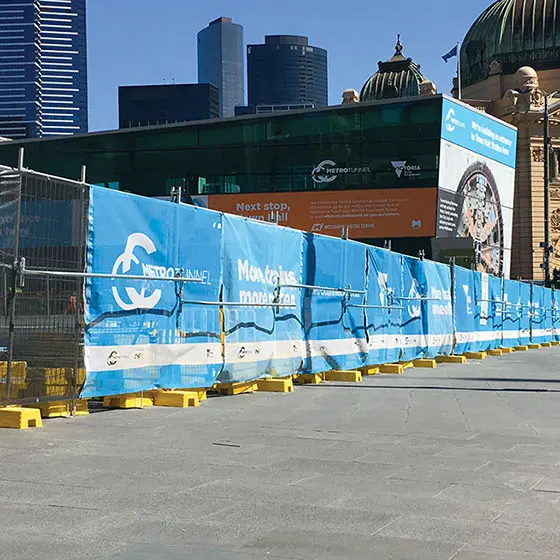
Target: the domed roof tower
(514, 33)
(397, 77)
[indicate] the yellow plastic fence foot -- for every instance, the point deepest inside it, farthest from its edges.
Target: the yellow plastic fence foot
(82, 408)
(546, 344)
(309, 379)
(521, 348)
(535, 346)
(507, 350)
(176, 399)
(496, 352)
(476, 355)
(133, 400)
(428, 364)
(407, 365)
(451, 360)
(369, 370)
(236, 388)
(61, 409)
(20, 418)
(555, 343)
(201, 393)
(345, 376)
(393, 369)
(276, 385)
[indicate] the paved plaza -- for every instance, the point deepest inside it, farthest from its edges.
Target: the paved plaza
(460, 462)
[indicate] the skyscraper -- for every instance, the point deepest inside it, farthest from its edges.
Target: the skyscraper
(43, 68)
(286, 70)
(220, 62)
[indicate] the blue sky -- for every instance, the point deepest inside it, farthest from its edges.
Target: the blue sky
(147, 42)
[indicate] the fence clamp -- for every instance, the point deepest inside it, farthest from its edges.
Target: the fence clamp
(19, 271)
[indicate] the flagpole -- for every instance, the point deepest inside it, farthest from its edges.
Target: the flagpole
(459, 85)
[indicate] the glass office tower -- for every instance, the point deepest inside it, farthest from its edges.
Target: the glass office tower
(43, 68)
(287, 70)
(220, 62)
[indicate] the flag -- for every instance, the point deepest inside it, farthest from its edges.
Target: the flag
(452, 53)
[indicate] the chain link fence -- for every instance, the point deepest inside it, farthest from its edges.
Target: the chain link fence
(43, 228)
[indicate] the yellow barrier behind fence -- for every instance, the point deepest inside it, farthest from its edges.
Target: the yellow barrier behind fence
(38, 382)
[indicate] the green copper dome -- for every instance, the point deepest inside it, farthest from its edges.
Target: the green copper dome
(514, 33)
(397, 77)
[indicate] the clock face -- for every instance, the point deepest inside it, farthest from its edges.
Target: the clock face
(480, 217)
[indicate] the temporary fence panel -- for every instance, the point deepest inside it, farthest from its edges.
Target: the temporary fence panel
(465, 310)
(333, 304)
(430, 301)
(384, 311)
(525, 305)
(413, 340)
(512, 313)
(262, 272)
(45, 217)
(144, 334)
(10, 200)
(548, 314)
(488, 333)
(496, 297)
(540, 315)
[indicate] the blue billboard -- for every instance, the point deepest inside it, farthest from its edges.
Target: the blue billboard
(477, 132)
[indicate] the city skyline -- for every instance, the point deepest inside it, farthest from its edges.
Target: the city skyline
(149, 47)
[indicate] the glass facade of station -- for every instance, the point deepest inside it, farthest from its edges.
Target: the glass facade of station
(264, 153)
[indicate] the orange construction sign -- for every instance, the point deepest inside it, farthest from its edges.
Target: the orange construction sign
(368, 214)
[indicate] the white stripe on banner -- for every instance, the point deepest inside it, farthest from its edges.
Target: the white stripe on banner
(542, 332)
(484, 336)
(115, 358)
(252, 352)
(337, 347)
(379, 342)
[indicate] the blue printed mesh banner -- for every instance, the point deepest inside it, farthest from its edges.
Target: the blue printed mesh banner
(541, 315)
(488, 295)
(525, 305)
(512, 313)
(262, 300)
(384, 311)
(143, 334)
(429, 300)
(497, 310)
(465, 311)
(333, 318)
(548, 314)
(259, 261)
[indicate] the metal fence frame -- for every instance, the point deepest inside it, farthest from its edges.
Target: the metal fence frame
(33, 304)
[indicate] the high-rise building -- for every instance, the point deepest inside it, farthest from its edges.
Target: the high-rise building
(162, 104)
(220, 62)
(286, 70)
(43, 68)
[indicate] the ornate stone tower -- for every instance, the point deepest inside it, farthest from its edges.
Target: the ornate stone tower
(510, 59)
